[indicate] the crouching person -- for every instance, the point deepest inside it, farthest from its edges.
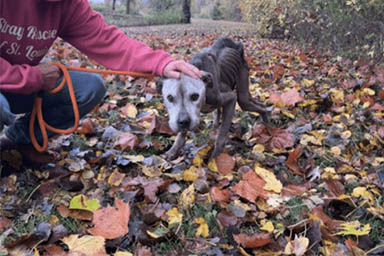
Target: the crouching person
(28, 29)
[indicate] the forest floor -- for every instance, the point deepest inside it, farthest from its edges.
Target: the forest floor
(311, 183)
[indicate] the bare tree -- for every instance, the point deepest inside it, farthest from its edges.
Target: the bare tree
(186, 11)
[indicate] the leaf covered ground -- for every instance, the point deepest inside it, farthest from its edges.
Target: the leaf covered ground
(311, 183)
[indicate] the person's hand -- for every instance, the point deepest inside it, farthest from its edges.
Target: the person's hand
(174, 68)
(51, 75)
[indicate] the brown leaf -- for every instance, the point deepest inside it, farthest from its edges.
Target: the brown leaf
(54, 250)
(4, 223)
(335, 187)
(291, 162)
(273, 137)
(218, 195)
(293, 190)
(289, 98)
(86, 127)
(110, 222)
(254, 241)
(225, 163)
(251, 187)
(227, 219)
(331, 224)
(127, 141)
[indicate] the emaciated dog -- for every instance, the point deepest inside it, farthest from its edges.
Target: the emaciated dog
(225, 82)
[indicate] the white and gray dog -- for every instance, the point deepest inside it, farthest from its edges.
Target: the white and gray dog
(225, 82)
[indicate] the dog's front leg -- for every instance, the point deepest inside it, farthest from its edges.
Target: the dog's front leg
(179, 143)
(229, 103)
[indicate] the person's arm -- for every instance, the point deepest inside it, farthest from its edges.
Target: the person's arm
(24, 79)
(86, 30)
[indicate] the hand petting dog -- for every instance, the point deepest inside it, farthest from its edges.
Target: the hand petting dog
(175, 68)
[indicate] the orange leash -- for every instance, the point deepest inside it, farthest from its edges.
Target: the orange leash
(37, 107)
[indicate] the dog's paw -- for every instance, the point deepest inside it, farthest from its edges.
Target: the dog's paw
(171, 155)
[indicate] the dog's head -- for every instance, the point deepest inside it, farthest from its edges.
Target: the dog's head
(183, 99)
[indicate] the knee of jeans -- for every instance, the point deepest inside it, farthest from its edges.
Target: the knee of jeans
(98, 87)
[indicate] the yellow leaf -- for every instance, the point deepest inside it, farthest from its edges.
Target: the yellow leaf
(258, 148)
(267, 226)
(88, 245)
(288, 114)
(212, 165)
(36, 252)
(134, 158)
(272, 184)
(116, 178)
(122, 254)
(191, 174)
(131, 111)
(345, 135)
(364, 193)
(329, 172)
(203, 229)
(187, 197)
(368, 91)
(174, 216)
(336, 151)
(308, 83)
(337, 95)
(81, 202)
(354, 228)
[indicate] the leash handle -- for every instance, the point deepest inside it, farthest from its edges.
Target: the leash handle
(37, 106)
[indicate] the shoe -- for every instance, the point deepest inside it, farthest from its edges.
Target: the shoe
(28, 152)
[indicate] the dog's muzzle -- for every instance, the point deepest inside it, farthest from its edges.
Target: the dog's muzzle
(183, 121)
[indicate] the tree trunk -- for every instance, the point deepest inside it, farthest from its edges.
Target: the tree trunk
(128, 6)
(187, 11)
(113, 4)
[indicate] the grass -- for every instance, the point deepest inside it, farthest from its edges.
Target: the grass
(296, 206)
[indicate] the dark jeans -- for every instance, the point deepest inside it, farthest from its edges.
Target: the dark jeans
(57, 108)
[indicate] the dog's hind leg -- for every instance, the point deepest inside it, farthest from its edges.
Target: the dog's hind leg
(245, 100)
(179, 143)
(229, 100)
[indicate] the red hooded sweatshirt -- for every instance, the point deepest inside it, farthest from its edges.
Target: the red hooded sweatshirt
(29, 27)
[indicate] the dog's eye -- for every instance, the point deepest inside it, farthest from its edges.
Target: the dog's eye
(194, 97)
(170, 98)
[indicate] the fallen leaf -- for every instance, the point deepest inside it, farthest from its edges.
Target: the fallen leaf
(254, 241)
(203, 229)
(187, 197)
(291, 162)
(86, 127)
(297, 247)
(271, 182)
(251, 187)
(81, 202)
(225, 163)
(218, 195)
(174, 216)
(88, 245)
(127, 140)
(111, 222)
(354, 228)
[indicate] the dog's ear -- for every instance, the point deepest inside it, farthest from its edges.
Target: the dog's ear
(159, 85)
(207, 78)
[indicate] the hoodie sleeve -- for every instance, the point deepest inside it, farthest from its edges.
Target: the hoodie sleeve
(23, 79)
(86, 30)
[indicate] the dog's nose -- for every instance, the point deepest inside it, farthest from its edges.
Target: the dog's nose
(184, 122)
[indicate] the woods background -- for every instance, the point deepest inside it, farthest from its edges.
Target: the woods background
(352, 28)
